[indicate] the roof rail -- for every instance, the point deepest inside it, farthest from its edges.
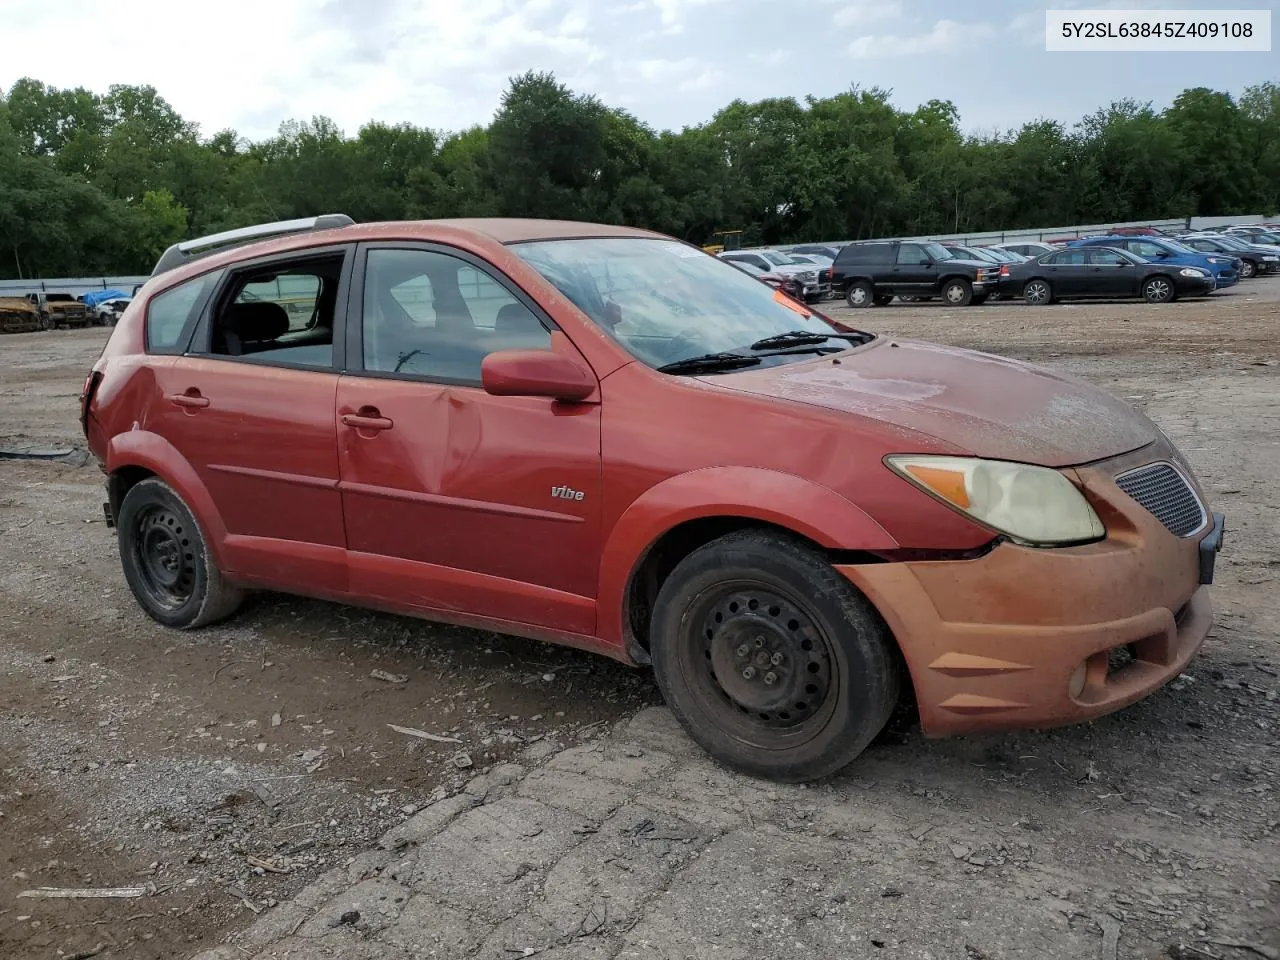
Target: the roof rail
(189, 250)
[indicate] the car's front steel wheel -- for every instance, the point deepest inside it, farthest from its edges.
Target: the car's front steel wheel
(166, 560)
(1247, 269)
(1037, 293)
(1158, 290)
(770, 659)
(957, 293)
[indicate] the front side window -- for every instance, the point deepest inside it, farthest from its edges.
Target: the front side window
(914, 253)
(172, 314)
(279, 313)
(665, 301)
(434, 315)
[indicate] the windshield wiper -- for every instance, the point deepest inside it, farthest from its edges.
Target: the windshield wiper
(798, 338)
(710, 361)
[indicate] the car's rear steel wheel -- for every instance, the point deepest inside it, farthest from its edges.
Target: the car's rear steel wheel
(859, 294)
(770, 658)
(1037, 293)
(1158, 290)
(166, 559)
(164, 556)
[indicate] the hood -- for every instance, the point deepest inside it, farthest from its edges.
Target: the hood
(984, 405)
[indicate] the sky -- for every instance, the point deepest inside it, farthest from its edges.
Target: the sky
(251, 64)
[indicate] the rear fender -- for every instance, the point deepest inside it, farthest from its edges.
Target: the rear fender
(141, 448)
(754, 493)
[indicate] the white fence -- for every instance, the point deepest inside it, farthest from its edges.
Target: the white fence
(72, 285)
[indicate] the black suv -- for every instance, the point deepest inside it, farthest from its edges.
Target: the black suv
(875, 271)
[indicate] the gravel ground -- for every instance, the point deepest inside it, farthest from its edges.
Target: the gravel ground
(132, 755)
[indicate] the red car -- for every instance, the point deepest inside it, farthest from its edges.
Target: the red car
(603, 437)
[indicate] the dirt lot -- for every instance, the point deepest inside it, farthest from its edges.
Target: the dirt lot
(131, 755)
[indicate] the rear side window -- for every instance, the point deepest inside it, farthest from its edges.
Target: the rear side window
(871, 253)
(172, 315)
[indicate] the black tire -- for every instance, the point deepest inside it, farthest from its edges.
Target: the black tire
(957, 292)
(772, 607)
(1038, 293)
(1248, 269)
(859, 294)
(166, 560)
(883, 299)
(1158, 289)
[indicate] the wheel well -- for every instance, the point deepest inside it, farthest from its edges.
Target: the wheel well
(121, 482)
(676, 544)
(942, 282)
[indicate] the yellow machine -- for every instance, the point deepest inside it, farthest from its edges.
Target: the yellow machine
(723, 240)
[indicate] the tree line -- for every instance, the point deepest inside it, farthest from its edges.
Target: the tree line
(94, 184)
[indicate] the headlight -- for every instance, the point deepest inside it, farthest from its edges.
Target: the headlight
(1193, 272)
(1032, 505)
(1271, 259)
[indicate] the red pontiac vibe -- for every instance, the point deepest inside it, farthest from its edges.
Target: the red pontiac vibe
(606, 438)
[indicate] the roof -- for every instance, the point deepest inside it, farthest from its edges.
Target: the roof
(513, 230)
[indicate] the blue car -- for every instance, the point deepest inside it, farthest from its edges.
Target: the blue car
(1225, 268)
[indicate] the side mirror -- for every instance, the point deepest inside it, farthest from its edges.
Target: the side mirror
(927, 262)
(536, 373)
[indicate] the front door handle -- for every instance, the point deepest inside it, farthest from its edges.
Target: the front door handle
(191, 398)
(367, 418)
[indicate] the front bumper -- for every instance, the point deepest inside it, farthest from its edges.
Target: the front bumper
(1025, 637)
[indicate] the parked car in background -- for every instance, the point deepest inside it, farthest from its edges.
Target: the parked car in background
(815, 285)
(98, 303)
(1091, 271)
(1254, 259)
(602, 437)
(59, 310)
(785, 282)
(1026, 248)
(1001, 288)
(1247, 231)
(19, 315)
(872, 272)
(827, 250)
(1225, 268)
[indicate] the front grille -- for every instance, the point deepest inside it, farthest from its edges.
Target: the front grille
(1168, 497)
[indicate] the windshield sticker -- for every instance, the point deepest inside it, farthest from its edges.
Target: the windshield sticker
(790, 304)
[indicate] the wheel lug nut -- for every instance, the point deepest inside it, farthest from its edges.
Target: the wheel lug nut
(743, 650)
(759, 642)
(748, 673)
(770, 678)
(776, 659)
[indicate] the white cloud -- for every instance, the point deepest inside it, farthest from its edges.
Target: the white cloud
(861, 12)
(672, 13)
(688, 73)
(944, 37)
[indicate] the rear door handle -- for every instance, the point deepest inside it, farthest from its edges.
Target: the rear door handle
(191, 398)
(367, 419)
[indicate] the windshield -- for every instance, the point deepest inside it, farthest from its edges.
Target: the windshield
(665, 301)
(778, 259)
(1231, 243)
(1177, 246)
(1267, 238)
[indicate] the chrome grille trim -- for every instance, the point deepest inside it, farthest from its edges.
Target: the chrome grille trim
(1165, 492)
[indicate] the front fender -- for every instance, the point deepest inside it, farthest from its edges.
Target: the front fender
(772, 497)
(142, 448)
